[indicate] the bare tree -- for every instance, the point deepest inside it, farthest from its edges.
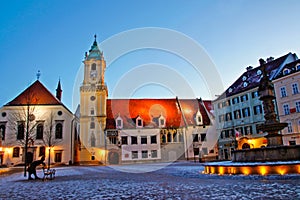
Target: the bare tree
(22, 123)
(49, 138)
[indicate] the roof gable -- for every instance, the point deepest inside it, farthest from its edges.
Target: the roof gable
(35, 94)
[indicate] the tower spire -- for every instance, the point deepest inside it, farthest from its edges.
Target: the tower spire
(58, 90)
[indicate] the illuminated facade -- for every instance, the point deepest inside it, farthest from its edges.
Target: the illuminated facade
(288, 101)
(49, 124)
(115, 131)
(239, 111)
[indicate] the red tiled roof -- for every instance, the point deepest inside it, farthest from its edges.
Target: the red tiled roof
(191, 106)
(35, 94)
(148, 109)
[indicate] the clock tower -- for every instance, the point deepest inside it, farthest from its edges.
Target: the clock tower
(93, 95)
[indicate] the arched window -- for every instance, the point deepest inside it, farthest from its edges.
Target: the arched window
(21, 130)
(175, 136)
(39, 131)
(169, 138)
(92, 125)
(163, 138)
(2, 131)
(58, 131)
(94, 66)
(16, 152)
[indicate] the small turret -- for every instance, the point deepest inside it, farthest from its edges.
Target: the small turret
(58, 91)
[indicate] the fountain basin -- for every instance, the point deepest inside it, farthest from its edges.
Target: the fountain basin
(272, 153)
(257, 168)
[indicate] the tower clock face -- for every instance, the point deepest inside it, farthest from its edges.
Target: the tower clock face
(93, 74)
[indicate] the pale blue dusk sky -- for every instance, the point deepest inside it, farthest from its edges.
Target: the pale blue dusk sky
(52, 36)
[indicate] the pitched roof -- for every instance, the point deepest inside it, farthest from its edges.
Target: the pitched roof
(151, 109)
(292, 67)
(35, 94)
(251, 78)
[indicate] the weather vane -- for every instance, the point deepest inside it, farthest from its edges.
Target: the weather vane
(38, 74)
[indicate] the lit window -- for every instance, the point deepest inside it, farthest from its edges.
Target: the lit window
(286, 109)
(283, 92)
(237, 114)
(228, 117)
(16, 152)
(295, 88)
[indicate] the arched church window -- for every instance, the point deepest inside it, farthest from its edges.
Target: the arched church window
(169, 137)
(39, 131)
(58, 131)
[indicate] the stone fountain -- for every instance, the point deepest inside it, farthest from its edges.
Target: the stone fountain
(273, 159)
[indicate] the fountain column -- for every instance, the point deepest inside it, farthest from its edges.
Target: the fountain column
(272, 126)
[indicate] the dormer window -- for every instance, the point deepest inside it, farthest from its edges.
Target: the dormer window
(161, 121)
(119, 122)
(139, 122)
(244, 78)
(198, 118)
(286, 71)
(258, 72)
(245, 84)
(298, 67)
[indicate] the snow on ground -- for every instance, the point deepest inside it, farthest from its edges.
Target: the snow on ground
(181, 180)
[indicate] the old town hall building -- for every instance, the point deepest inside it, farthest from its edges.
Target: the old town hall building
(116, 131)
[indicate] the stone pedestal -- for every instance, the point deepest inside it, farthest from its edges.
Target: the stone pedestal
(274, 140)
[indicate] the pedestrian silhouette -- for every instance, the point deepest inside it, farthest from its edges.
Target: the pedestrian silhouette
(32, 168)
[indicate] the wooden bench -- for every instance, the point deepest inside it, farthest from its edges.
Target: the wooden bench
(49, 174)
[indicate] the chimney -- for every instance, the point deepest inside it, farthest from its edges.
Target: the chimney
(270, 59)
(262, 61)
(249, 68)
(58, 91)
